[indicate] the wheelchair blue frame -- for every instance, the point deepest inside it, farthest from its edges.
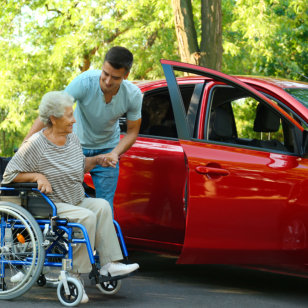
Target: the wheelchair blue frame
(68, 230)
(57, 237)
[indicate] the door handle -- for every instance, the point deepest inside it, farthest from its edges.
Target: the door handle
(212, 171)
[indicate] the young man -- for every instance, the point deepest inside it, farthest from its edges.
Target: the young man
(103, 96)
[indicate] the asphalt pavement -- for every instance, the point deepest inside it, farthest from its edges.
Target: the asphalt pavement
(161, 283)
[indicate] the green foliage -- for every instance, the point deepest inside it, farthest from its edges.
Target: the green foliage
(244, 110)
(44, 44)
(266, 37)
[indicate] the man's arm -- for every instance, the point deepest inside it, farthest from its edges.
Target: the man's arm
(125, 143)
(37, 126)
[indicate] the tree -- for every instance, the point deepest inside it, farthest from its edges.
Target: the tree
(267, 37)
(209, 52)
(46, 43)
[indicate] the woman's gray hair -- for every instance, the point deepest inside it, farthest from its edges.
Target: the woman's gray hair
(53, 104)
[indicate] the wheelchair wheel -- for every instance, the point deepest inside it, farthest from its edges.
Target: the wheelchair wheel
(41, 281)
(21, 251)
(75, 289)
(109, 287)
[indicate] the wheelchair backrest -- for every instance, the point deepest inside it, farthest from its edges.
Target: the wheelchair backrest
(3, 163)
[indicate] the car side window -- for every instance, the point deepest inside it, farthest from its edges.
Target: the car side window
(288, 110)
(157, 116)
(157, 113)
(242, 120)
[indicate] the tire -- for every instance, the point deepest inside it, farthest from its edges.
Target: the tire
(109, 287)
(41, 281)
(21, 250)
(76, 292)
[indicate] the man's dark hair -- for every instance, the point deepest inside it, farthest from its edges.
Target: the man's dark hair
(119, 57)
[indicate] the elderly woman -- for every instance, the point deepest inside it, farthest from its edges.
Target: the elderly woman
(53, 158)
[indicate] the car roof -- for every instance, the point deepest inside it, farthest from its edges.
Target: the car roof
(256, 80)
(263, 84)
(279, 82)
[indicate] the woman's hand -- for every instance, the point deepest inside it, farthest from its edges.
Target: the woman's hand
(108, 160)
(43, 184)
(104, 160)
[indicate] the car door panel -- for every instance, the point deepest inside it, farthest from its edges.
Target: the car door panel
(240, 216)
(149, 199)
(243, 203)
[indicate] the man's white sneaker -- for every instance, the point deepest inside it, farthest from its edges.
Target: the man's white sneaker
(17, 277)
(118, 269)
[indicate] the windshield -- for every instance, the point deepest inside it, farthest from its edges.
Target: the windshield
(301, 94)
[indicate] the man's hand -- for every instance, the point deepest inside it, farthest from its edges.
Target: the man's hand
(108, 160)
(43, 184)
(112, 159)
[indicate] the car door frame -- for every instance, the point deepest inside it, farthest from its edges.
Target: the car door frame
(183, 127)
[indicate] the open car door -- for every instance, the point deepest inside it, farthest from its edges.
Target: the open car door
(246, 195)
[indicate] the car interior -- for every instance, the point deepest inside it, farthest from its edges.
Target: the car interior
(234, 118)
(238, 119)
(157, 113)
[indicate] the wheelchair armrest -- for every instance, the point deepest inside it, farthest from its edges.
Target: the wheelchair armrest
(20, 185)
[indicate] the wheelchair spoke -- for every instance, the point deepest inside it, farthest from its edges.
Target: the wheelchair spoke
(21, 255)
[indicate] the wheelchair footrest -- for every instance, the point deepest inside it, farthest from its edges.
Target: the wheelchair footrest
(100, 279)
(112, 278)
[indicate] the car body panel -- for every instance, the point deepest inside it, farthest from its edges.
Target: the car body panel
(153, 166)
(240, 215)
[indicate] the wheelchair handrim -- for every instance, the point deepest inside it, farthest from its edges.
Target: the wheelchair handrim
(28, 228)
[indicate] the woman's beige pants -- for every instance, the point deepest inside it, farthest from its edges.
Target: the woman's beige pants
(95, 215)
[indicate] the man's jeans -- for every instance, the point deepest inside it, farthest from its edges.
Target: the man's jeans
(105, 179)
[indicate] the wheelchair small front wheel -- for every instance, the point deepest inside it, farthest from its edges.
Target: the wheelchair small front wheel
(109, 287)
(41, 280)
(75, 290)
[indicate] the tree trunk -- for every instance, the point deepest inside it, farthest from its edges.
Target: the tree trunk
(209, 54)
(211, 40)
(185, 31)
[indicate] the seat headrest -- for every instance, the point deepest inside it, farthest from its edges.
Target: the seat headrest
(266, 120)
(221, 124)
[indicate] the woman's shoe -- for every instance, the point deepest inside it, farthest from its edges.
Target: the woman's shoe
(118, 269)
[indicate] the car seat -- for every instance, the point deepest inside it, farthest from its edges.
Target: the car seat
(221, 126)
(267, 121)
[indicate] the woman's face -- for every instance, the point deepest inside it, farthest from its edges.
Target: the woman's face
(65, 123)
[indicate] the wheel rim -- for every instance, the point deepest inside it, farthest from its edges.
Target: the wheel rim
(21, 252)
(109, 287)
(16, 253)
(72, 297)
(75, 290)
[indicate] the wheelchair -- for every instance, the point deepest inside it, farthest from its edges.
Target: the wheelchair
(36, 242)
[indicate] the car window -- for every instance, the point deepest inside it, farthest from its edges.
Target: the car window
(301, 94)
(241, 120)
(288, 110)
(157, 113)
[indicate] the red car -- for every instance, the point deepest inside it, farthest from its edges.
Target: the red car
(219, 172)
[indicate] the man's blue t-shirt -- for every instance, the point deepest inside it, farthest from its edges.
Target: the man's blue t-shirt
(97, 123)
